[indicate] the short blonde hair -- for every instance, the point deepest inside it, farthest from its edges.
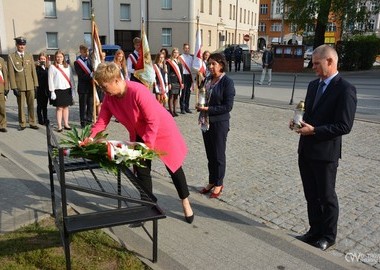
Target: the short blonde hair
(106, 72)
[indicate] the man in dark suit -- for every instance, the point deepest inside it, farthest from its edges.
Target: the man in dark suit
(330, 107)
(84, 71)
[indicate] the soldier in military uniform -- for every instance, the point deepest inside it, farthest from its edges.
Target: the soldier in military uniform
(4, 89)
(23, 81)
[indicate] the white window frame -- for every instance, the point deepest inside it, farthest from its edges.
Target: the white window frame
(166, 4)
(52, 40)
(125, 12)
(86, 10)
(50, 9)
(166, 37)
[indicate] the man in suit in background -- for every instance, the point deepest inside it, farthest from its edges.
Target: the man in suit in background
(23, 80)
(4, 89)
(187, 63)
(330, 107)
(84, 70)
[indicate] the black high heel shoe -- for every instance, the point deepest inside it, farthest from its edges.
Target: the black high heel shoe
(190, 219)
(205, 190)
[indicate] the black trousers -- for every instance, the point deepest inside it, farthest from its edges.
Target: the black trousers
(215, 140)
(185, 93)
(318, 179)
(42, 102)
(178, 177)
(86, 108)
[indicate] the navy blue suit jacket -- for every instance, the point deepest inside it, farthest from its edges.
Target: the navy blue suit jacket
(332, 117)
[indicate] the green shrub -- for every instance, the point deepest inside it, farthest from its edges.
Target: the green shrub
(358, 53)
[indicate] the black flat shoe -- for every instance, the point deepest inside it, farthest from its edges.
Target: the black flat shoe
(67, 128)
(34, 127)
(3, 130)
(60, 130)
(190, 219)
(307, 238)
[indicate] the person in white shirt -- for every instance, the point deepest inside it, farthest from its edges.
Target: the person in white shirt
(61, 87)
(187, 62)
(133, 58)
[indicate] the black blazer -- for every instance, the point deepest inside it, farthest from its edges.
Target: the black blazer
(221, 100)
(332, 117)
(84, 80)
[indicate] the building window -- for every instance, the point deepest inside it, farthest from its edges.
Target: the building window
(50, 8)
(52, 40)
(86, 10)
(245, 15)
(166, 37)
(371, 25)
(241, 14)
(262, 27)
(234, 13)
(209, 37)
(210, 7)
(278, 7)
(230, 11)
(202, 6)
(293, 27)
(220, 8)
(249, 14)
(276, 27)
(125, 12)
(263, 9)
(87, 38)
(166, 4)
(330, 27)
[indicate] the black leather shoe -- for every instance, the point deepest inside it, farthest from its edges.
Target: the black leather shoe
(34, 127)
(3, 130)
(188, 111)
(190, 219)
(308, 238)
(183, 112)
(323, 244)
(21, 128)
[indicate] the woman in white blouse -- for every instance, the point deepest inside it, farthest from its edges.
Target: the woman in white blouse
(61, 86)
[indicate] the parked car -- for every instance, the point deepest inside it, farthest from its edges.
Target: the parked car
(110, 51)
(308, 53)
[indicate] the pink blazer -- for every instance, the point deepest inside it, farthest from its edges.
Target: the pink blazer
(142, 115)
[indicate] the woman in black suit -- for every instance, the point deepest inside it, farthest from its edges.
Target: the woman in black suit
(330, 107)
(214, 119)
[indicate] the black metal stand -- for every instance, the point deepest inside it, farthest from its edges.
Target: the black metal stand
(294, 84)
(125, 203)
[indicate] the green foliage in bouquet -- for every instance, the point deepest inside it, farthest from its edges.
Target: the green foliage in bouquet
(110, 155)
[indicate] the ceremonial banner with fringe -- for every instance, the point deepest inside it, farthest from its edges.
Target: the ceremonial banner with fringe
(144, 68)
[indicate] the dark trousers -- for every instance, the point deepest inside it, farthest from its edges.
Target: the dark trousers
(318, 179)
(178, 177)
(215, 140)
(185, 93)
(86, 108)
(237, 65)
(229, 65)
(42, 102)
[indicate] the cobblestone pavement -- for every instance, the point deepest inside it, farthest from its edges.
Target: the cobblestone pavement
(262, 175)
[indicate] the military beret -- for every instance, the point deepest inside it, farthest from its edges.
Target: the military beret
(20, 40)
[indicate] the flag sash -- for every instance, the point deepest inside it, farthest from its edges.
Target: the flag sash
(176, 69)
(188, 70)
(160, 78)
(64, 75)
(83, 66)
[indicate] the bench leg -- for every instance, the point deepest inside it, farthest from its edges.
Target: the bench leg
(155, 240)
(66, 244)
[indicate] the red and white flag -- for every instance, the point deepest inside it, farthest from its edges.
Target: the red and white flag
(97, 56)
(144, 68)
(198, 63)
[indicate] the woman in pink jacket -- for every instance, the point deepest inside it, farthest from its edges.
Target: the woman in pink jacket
(146, 121)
